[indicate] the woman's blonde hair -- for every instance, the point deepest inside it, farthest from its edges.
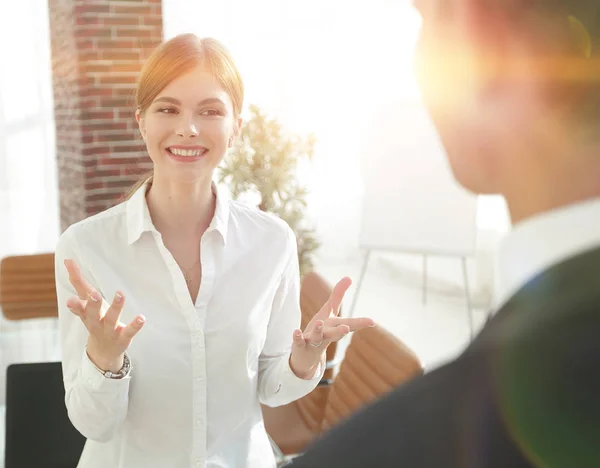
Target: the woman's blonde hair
(176, 57)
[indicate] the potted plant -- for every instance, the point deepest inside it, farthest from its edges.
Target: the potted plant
(264, 161)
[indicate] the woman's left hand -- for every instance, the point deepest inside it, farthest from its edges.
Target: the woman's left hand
(308, 347)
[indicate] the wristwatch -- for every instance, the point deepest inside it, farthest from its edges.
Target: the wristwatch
(123, 372)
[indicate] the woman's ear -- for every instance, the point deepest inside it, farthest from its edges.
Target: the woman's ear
(237, 129)
(141, 123)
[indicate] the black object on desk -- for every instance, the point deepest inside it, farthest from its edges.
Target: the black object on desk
(39, 433)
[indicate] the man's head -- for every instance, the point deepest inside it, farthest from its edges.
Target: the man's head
(507, 82)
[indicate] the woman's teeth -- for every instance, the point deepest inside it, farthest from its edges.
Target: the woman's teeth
(182, 152)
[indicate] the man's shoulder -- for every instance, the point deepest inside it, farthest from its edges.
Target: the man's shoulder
(561, 301)
(432, 421)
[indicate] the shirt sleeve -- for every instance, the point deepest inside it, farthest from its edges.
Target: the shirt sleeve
(96, 405)
(277, 383)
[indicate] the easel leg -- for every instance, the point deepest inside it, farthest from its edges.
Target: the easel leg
(468, 297)
(424, 279)
(359, 284)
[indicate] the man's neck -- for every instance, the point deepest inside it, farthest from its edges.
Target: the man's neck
(564, 180)
(181, 209)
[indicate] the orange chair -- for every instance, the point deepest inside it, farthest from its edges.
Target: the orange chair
(27, 287)
(375, 363)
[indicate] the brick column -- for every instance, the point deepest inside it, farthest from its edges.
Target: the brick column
(98, 49)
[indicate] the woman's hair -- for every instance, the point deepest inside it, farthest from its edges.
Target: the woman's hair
(177, 57)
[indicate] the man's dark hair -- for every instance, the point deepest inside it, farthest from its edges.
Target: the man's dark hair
(565, 35)
(559, 33)
(582, 88)
(568, 31)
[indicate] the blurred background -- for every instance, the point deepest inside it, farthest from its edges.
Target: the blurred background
(371, 193)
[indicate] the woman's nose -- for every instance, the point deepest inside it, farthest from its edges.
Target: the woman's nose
(187, 128)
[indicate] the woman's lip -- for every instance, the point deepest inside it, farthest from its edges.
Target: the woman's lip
(193, 148)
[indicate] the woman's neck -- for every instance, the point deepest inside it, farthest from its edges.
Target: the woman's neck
(181, 209)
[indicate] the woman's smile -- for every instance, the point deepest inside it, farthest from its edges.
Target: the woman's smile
(182, 153)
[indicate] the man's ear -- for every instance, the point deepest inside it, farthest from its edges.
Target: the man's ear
(141, 123)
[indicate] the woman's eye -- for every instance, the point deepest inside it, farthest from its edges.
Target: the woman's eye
(210, 112)
(167, 110)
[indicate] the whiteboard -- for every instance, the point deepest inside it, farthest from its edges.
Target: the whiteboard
(411, 201)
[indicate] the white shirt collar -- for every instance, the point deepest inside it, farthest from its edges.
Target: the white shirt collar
(139, 220)
(542, 241)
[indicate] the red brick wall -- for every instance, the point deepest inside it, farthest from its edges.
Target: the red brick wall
(98, 49)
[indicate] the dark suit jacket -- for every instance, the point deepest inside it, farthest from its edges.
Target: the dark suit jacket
(525, 393)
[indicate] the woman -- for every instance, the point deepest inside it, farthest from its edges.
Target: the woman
(207, 287)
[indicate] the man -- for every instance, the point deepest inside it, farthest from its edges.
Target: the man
(513, 89)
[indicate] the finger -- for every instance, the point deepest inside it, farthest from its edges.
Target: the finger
(354, 324)
(335, 299)
(298, 339)
(316, 336)
(322, 315)
(133, 328)
(82, 287)
(76, 306)
(93, 309)
(338, 294)
(114, 311)
(335, 333)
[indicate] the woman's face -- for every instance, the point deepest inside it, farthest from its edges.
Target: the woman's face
(189, 126)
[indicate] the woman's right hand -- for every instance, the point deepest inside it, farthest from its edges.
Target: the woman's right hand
(109, 337)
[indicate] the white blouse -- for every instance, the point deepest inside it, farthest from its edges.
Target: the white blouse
(199, 370)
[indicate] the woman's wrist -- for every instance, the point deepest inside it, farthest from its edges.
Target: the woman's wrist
(102, 362)
(306, 372)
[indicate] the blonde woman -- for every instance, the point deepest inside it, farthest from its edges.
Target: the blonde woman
(178, 308)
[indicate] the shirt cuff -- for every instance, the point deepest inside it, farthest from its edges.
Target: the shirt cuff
(319, 371)
(289, 378)
(94, 379)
